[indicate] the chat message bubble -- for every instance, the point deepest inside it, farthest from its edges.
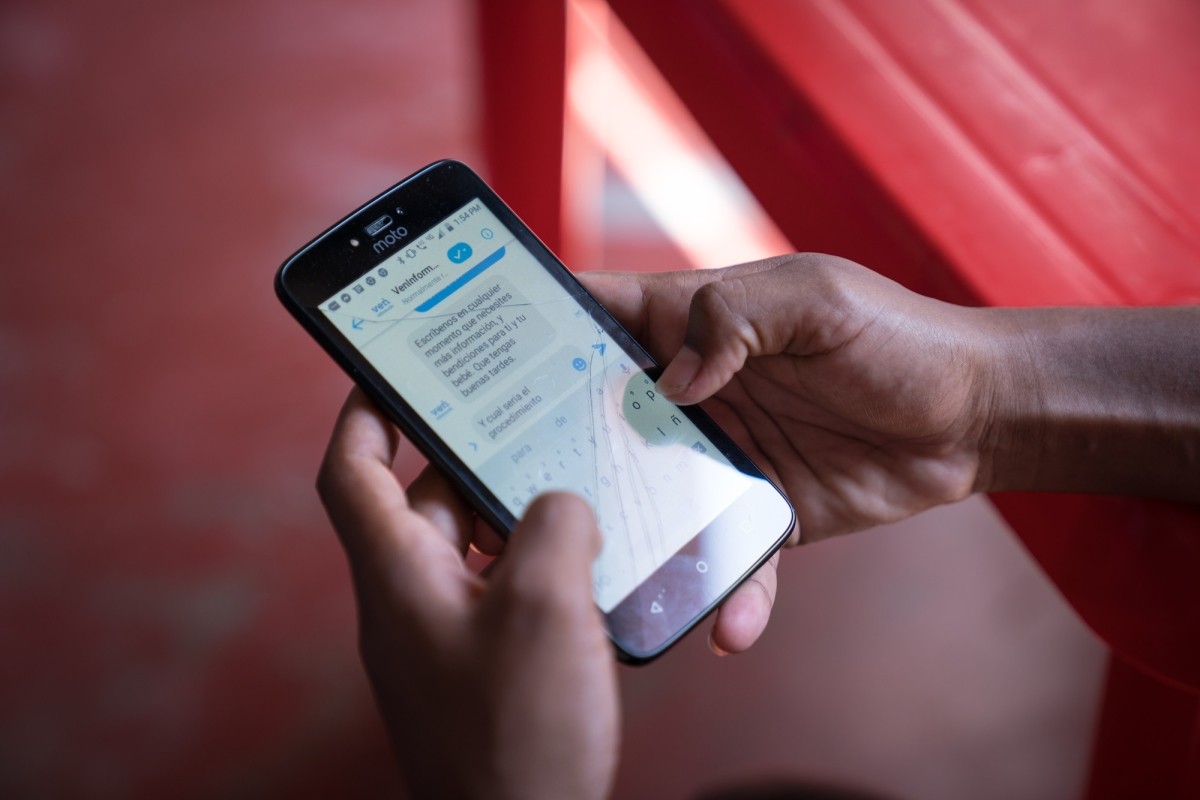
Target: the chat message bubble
(493, 332)
(511, 409)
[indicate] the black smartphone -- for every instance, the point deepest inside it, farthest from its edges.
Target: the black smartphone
(484, 349)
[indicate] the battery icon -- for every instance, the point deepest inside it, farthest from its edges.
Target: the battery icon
(449, 227)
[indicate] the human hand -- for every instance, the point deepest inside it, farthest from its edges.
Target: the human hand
(497, 688)
(865, 401)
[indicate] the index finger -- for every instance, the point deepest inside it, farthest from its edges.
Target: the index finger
(388, 544)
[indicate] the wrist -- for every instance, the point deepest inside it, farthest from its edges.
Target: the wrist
(1012, 402)
(1092, 400)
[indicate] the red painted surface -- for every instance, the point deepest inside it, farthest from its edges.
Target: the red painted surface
(1021, 153)
(1143, 736)
(175, 614)
(971, 157)
(522, 100)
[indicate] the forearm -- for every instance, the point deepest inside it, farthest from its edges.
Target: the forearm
(1093, 400)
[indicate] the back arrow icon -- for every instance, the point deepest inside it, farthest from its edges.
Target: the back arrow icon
(356, 323)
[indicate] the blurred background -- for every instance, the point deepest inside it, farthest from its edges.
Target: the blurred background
(175, 614)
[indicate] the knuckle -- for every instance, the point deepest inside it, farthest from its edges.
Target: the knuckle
(328, 480)
(526, 593)
(333, 479)
(717, 303)
(531, 604)
(324, 482)
(727, 313)
(711, 298)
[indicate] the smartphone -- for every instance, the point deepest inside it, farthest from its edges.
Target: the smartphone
(488, 354)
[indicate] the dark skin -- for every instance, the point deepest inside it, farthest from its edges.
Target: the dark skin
(852, 447)
(868, 403)
(487, 688)
(871, 403)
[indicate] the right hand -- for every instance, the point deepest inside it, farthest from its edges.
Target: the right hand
(865, 401)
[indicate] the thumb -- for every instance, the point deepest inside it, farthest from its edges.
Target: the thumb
(731, 319)
(547, 562)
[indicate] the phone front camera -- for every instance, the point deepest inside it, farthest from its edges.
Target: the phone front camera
(354, 242)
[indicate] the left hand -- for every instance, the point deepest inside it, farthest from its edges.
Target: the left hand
(496, 688)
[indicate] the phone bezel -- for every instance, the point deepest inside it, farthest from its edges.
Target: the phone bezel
(330, 262)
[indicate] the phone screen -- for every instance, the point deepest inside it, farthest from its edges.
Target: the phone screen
(513, 379)
(532, 394)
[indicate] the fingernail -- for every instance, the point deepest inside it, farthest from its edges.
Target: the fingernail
(712, 645)
(680, 373)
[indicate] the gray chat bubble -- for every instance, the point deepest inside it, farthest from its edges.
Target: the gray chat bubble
(511, 409)
(494, 331)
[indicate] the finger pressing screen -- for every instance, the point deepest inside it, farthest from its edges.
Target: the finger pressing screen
(548, 558)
